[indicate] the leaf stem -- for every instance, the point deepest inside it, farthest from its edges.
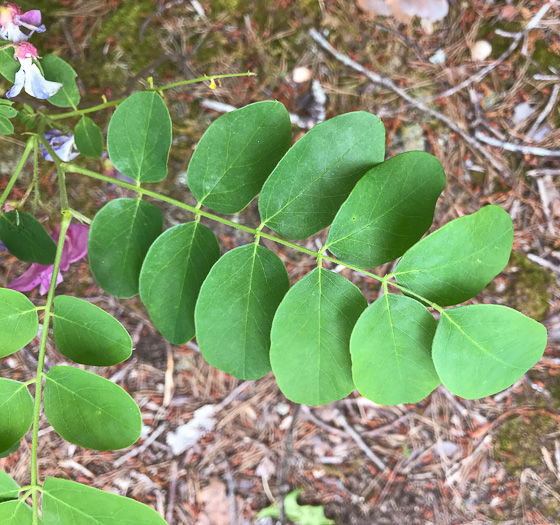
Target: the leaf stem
(65, 222)
(17, 171)
(72, 168)
(116, 102)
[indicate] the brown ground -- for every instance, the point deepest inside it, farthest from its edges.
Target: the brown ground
(449, 461)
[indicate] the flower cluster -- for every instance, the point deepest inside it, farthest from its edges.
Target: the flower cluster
(29, 76)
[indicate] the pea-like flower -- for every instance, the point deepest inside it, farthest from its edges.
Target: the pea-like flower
(29, 76)
(75, 247)
(62, 144)
(12, 18)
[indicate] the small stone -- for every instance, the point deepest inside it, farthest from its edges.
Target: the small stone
(438, 57)
(301, 75)
(481, 50)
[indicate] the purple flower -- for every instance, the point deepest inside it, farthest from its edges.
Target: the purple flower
(75, 247)
(29, 76)
(63, 145)
(11, 17)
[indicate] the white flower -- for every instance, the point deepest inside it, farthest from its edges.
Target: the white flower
(29, 77)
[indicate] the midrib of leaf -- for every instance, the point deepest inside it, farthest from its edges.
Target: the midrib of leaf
(479, 346)
(392, 326)
(129, 238)
(10, 397)
(146, 135)
(87, 327)
(312, 182)
(253, 262)
(75, 394)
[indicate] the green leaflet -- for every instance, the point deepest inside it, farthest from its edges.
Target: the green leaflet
(240, 296)
(457, 261)
(139, 137)
(171, 277)
(8, 65)
(88, 137)
(6, 127)
(301, 514)
(6, 112)
(16, 512)
(90, 411)
(26, 238)
(482, 349)
(119, 238)
(237, 153)
(58, 70)
(306, 189)
(391, 348)
(389, 209)
(16, 412)
(19, 322)
(310, 338)
(86, 334)
(9, 489)
(11, 450)
(63, 500)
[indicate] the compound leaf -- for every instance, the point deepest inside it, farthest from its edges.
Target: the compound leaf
(237, 153)
(16, 512)
(171, 277)
(457, 261)
(310, 338)
(26, 238)
(89, 139)
(63, 500)
(88, 335)
(16, 412)
(240, 295)
(9, 489)
(19, 322)
(391, 348)
(90, 411)
(119, 238)
(305, 190)
(389, 209)
(58, 70)
(139, 137)
(482, 349)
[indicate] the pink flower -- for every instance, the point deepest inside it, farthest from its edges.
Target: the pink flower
(11, 18)
(75, 247)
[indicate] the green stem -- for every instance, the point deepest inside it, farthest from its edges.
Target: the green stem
(65, 222)
(19, 167)
(61, 173)
(72, 168)
(36, 193)
(111, 103)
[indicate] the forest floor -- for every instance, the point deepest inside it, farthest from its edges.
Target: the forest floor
(494, 123)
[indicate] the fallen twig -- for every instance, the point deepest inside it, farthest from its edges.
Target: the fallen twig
(547, 109)
(518, 148)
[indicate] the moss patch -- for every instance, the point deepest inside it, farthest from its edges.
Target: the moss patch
(528, 287)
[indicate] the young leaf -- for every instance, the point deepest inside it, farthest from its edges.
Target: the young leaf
(19, 322)
(482, 349)
(457, 261)
(119, 238)
(9, 489)
(16, 512)
(139, 137)
(26, 239)
(63, 500)
(171, 277)
(89, 139)
(310, 338)
(240, 295)
(58, 70)
(391, 348)
(16, 412)
(90, 411)
(88, 335)
(7, 111)
(389, 209)
(304, 192)
(8, 65)
(301, 514)
(237, 153)
(6, 127)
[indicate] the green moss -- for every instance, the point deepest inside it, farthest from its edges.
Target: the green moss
(518, 443)
(545, 58)
(528, 287)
